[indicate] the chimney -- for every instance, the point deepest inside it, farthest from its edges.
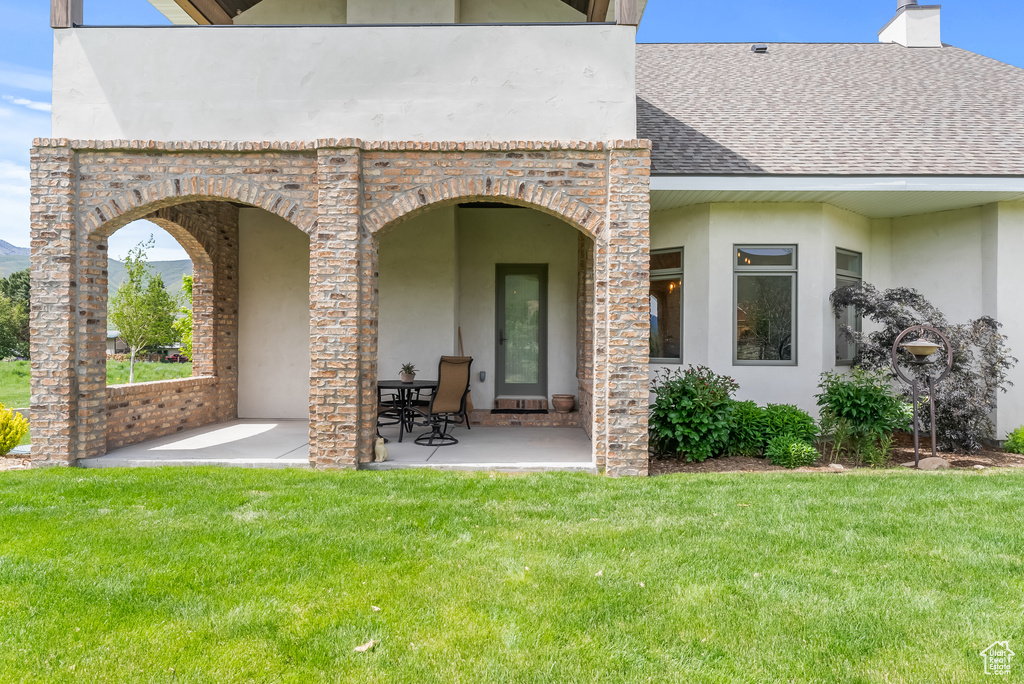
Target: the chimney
(916, 26)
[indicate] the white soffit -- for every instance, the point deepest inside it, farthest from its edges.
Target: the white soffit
(874, 196)
(173, 12)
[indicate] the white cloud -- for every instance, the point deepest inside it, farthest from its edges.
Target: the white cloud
(14, 203)
(24, 78)
(29, 104)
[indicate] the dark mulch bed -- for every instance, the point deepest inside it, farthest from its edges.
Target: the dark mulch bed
(902, 452)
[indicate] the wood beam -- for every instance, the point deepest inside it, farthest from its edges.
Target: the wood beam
(204, 12)
(627, 12)
(597, 10)
(66, 13)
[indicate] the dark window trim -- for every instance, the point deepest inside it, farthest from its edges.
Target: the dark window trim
(793, 273)
(673, 274)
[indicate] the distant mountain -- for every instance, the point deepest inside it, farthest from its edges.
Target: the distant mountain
(170, 270)
(6, 248)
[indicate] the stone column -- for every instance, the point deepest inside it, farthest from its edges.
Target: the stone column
(53, 317)
(91, 345)
(335, 256)
(621, 381)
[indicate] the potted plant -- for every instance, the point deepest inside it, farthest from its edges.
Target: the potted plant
(408, 373)
(563, 403)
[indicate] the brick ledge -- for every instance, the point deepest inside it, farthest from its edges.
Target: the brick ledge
(158, 386)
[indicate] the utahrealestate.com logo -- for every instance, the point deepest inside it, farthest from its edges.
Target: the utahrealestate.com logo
(997, 658)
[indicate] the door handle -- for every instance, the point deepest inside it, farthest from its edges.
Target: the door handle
(501, 337)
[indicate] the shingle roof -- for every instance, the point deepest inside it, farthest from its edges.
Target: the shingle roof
(827, 109)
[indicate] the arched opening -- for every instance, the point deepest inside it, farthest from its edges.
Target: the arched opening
(250, 358)
(512, 287)
(159, 345)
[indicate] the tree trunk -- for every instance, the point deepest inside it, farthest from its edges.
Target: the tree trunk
(131, 367)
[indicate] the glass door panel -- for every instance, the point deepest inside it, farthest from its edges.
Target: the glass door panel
(522, 329)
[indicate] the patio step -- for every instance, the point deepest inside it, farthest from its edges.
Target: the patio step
(521, 404)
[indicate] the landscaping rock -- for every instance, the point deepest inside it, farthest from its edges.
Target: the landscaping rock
(838, 467)
(930, 464)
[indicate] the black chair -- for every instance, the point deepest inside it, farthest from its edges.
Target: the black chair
(389, 410)
(448, 402)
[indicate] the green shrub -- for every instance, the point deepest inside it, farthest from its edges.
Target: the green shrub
(859, 412)
(748, 429)
(790, 451)
(13, 427)
(1014, 443)
(784, 419)
(691, 415)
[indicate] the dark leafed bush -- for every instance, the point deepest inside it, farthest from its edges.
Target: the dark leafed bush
(981, 358)
(748, 431)
(784, 419)
(789, 451)
(860, 411)
(691, 413)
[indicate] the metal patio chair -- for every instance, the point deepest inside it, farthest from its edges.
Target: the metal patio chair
(447, 406)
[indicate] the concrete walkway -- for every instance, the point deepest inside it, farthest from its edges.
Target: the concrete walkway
(285, 444)
(241, 443)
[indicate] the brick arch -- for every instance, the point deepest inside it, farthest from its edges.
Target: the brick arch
(587, 219)
(103, 218)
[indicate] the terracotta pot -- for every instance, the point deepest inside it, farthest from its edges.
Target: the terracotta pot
(408, 377)
(563, 403)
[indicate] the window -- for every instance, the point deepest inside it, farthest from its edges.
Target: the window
(765, 298)
(667, 306)
(849, 273)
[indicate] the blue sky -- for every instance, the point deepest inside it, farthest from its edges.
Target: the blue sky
(989, 27)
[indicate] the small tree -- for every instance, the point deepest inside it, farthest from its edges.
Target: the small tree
(183, 325)
(981, 358)
(14, 309)
(142, 310)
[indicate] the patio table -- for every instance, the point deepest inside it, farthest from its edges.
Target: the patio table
(407, 391)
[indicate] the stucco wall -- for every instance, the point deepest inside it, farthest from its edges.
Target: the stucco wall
(570, 82)
(284, 12)
(499, 11)
(941, 256)
(273, 318)
(488, 237)
(707, 233)
(1004, 228)
(417, 294)
(301, 12)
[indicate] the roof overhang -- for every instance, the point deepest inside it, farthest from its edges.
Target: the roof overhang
(871, 196)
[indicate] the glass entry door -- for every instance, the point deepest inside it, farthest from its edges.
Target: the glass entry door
(522, 330)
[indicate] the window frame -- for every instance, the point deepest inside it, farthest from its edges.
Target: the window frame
(671, 274)
(792, 271)
(851, 278)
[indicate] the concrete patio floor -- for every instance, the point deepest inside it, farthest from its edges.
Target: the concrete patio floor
(285, 444)
(502, 449)
(241, 443)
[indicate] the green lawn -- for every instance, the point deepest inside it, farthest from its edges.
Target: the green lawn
(193, 575)
(117, 371)
(14, 377)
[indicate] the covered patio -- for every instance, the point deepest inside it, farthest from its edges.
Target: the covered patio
(285, 444)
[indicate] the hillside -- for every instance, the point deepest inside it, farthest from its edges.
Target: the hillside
(7, 248)
(170, 270)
